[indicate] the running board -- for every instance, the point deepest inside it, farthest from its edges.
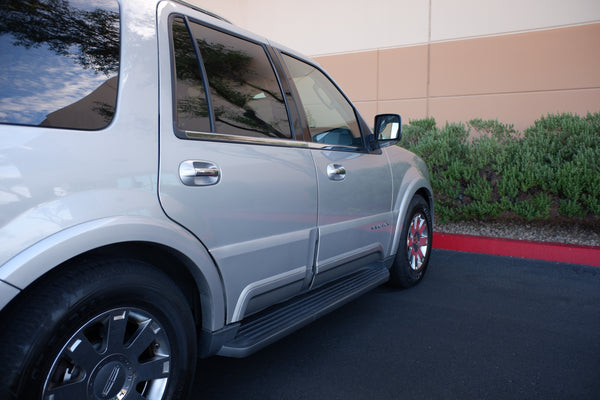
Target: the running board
(278, 321)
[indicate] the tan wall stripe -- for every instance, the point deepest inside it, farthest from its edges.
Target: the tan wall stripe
(514, 78)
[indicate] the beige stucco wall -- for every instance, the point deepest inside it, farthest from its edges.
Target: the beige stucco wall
(511, 60)
(513, 78)
(316, 27)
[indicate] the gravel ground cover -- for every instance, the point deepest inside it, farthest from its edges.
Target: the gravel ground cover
(566, 232)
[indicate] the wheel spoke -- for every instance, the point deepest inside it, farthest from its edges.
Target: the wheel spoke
(116, 331)
(155, 369)
(413, 228)
(422, 226)
(413, 261)
(82, 353)
(419, 254)
(71, 390)
(417, 241)
(135, 396)
(418, 225)
(142, 339)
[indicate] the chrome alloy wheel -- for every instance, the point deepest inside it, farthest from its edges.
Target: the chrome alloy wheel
(417, 241)
(118, 355)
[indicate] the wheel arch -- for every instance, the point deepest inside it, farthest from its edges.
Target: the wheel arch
(414, 182)
(162, 244)
(173, 263)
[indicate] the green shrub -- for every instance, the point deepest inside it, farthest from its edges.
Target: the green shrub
(486, 168)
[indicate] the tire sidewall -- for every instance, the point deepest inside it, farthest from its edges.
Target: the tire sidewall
(401, 273)
(100, 287)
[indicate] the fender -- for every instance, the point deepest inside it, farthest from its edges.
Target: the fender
(7, 293)
(36, 260)
(414, 179)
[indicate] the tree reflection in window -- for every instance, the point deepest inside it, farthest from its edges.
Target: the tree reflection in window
(74, 45)
(190, 96)
(245, 95)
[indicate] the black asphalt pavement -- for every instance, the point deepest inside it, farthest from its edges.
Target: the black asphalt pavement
(477, 327)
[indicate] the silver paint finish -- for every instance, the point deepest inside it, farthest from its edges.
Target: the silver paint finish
(258, 219)
(64, 192)
(409, 174)
(348, 208)
(254, 222)
(7, 293)
(61, 178)
(38, 259)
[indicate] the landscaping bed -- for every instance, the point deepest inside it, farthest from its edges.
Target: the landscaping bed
(490, 180)
(567, 232)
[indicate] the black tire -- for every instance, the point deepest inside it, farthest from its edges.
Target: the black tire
(414, 248)
(98, 329)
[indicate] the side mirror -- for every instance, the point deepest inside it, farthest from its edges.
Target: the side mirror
(388, 127)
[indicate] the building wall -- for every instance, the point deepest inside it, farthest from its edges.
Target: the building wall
(511, 60)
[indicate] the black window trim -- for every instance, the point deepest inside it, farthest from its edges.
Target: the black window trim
(200, 61)
(178, 131)
(298, 109)
(284, 84)
(226, 137)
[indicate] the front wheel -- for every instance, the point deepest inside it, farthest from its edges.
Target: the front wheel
(414, 248)
(115, 329)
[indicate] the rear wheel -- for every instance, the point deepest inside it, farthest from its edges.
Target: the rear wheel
(117, 329)
(414, 248)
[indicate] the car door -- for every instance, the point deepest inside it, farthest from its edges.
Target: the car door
(230, 169)
(354, 185)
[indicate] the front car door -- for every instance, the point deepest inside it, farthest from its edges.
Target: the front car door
(354, 184)
(230, 169)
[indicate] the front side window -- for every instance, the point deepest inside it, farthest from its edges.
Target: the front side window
(330, 116)
(60, 62)
(244, 96)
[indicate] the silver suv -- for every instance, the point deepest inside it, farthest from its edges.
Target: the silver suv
(174, 187)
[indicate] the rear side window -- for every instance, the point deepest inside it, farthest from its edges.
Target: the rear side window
(191, 105)
(243, 96)
(59, 62)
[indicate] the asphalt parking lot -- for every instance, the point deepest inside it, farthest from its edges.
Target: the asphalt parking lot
(477, 327)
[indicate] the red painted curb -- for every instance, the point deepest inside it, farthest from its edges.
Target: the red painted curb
(589, 255)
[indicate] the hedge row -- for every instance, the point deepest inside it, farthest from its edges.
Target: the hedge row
(486, 169)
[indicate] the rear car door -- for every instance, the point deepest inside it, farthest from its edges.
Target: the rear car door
(354, 184)
(230, 169)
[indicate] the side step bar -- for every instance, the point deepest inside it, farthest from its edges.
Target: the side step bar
(276, 322)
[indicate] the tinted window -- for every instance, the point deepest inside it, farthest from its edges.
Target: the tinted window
(191, 107)
(59, 62)
(244, 92)
(331, 118)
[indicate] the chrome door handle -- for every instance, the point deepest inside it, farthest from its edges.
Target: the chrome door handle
(199, 173)
(207, 172)
(336, 172)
